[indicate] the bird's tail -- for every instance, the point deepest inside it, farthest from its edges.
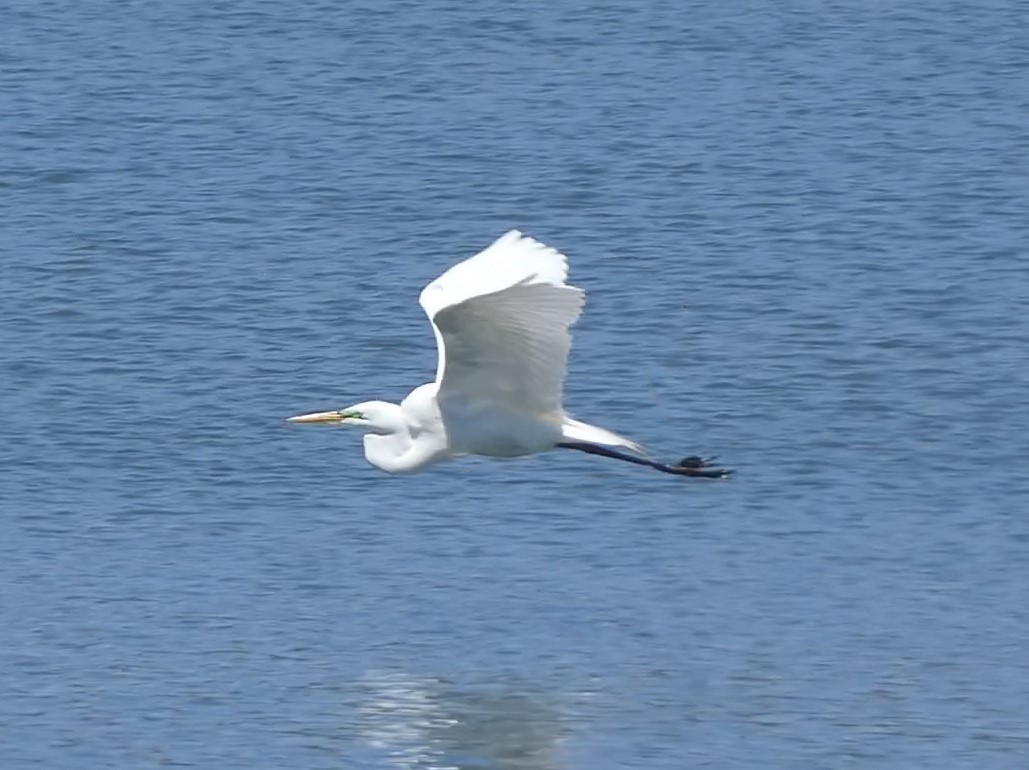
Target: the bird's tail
(573, 430)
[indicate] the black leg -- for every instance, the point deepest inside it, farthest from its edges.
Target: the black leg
(689, 466)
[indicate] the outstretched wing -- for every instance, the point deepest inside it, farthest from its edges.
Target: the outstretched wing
(501, 321)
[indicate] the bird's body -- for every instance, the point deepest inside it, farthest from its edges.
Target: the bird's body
(501, 321)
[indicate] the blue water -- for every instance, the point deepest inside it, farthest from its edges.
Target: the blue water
(803, 230)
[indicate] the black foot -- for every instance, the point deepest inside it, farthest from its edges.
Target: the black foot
(698, 466)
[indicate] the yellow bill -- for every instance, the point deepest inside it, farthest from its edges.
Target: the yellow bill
(335, 416)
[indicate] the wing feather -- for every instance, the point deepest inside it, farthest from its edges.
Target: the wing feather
(501, 321)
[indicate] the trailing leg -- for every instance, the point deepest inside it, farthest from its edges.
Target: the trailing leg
(688, 466)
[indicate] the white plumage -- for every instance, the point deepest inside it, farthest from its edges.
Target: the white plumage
(501, 322)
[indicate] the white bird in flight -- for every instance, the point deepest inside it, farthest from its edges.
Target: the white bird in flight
(501, 322)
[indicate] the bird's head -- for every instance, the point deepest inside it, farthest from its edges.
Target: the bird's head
(373, 416)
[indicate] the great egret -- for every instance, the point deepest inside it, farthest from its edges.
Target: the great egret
(501, 322)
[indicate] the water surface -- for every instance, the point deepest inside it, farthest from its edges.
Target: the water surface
(802, 233)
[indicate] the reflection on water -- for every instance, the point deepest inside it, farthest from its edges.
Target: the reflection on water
(420, 722)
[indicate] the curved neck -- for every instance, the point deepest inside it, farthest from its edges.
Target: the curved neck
(386, 452)
(390, 446)
(388, 437)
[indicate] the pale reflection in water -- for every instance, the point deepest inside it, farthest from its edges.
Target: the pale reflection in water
(424, 723)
